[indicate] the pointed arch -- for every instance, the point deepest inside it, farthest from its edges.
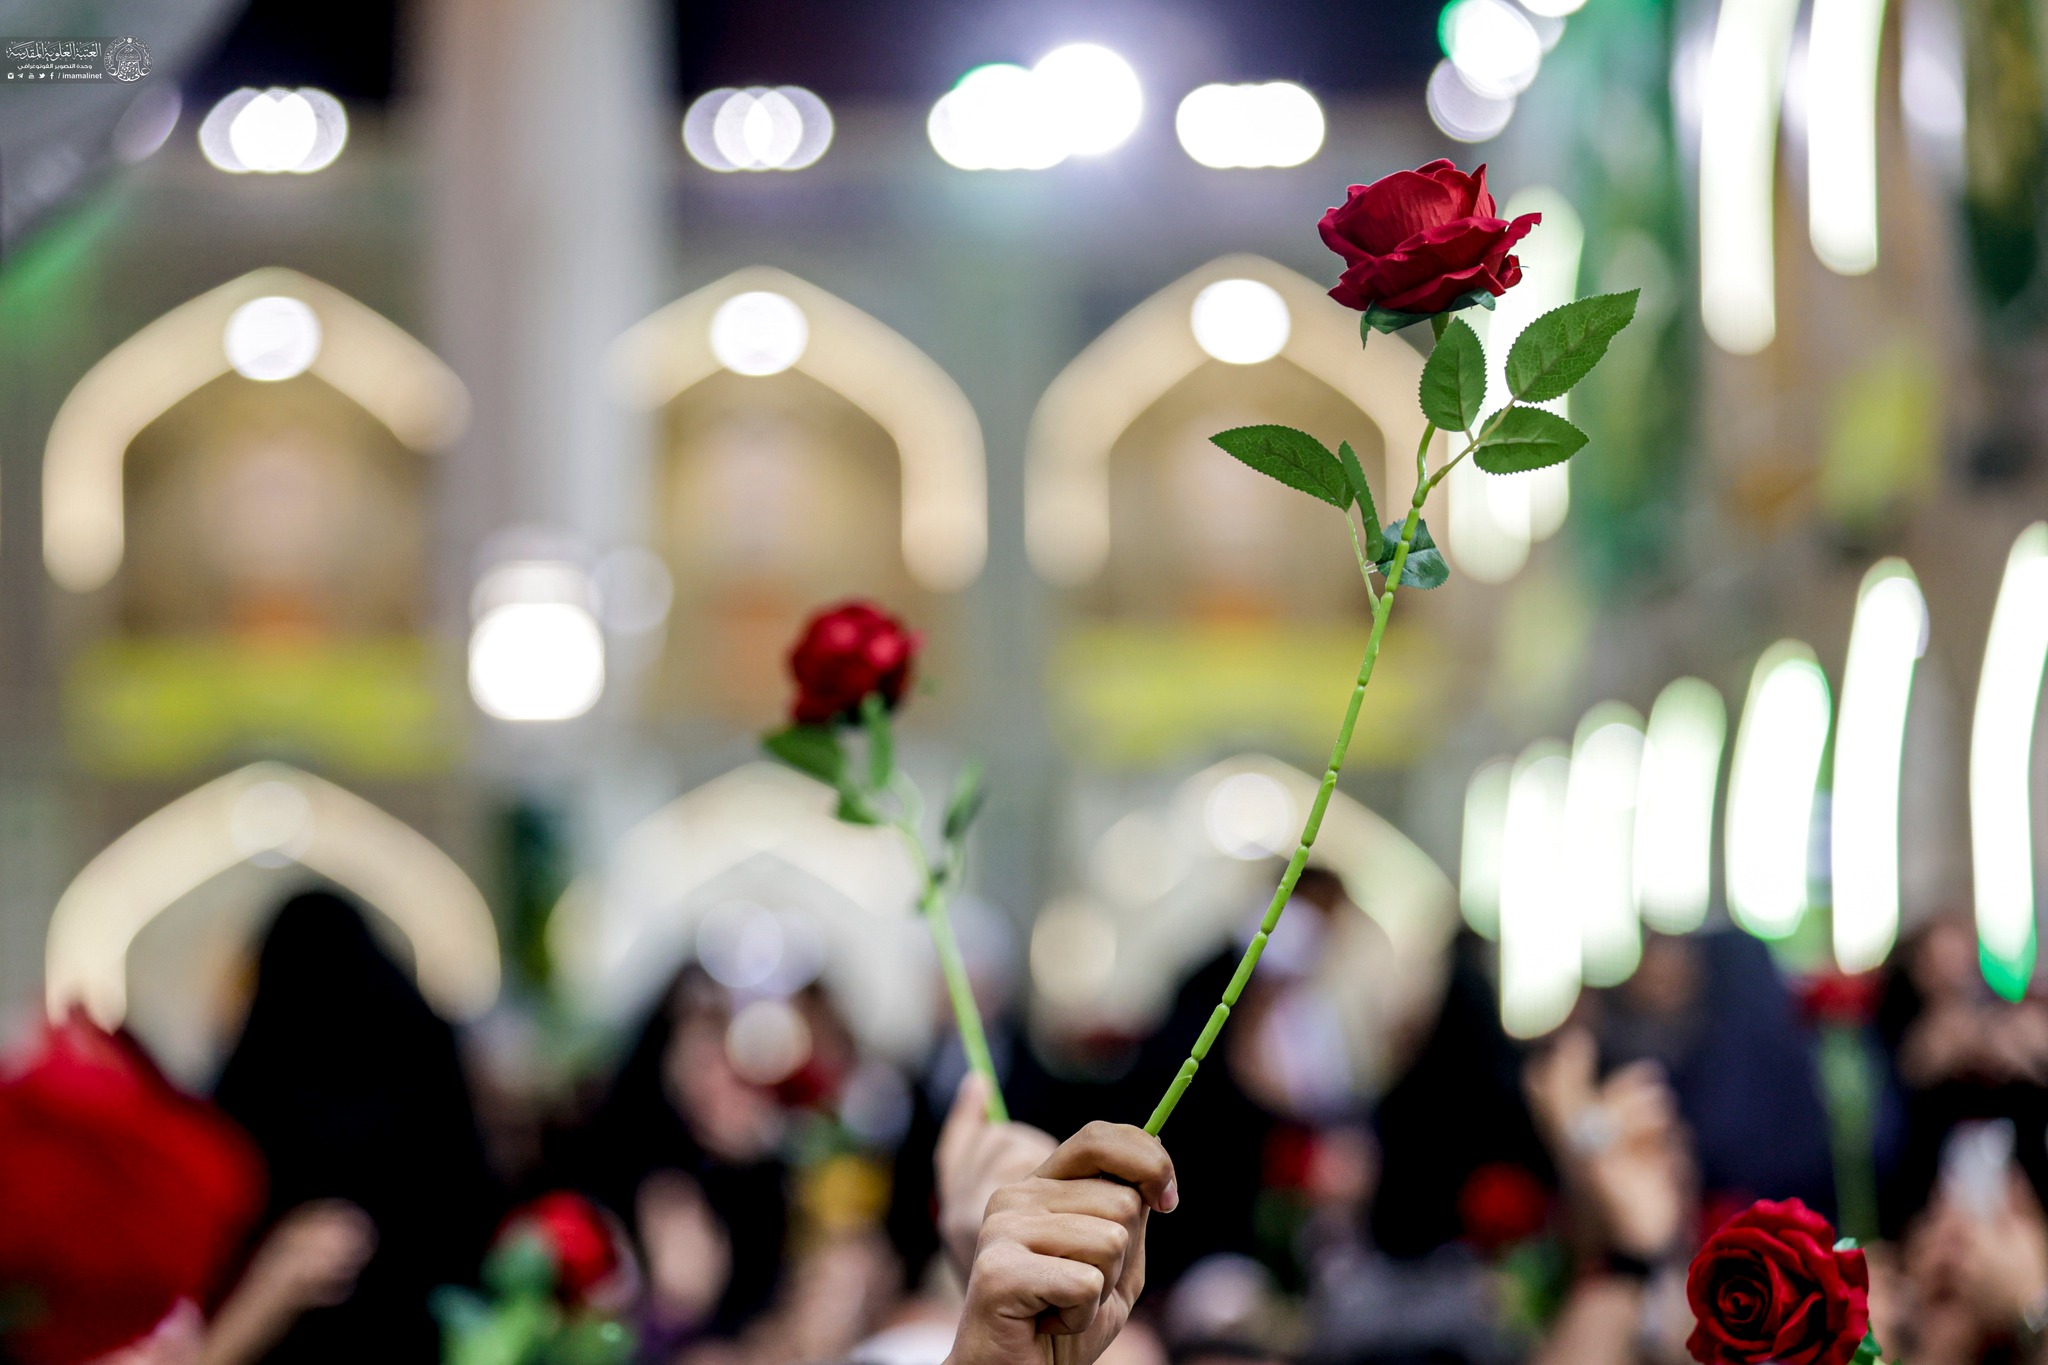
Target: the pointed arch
(616, 934)
(1149, 350)
(270, 811)
(364, 355)
(910, 396)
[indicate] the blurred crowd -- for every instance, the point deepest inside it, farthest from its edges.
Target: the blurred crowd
(1477, 1200)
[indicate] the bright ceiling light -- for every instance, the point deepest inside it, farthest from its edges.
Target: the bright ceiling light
(1079, 100)
(1240, 322)
(1841, 133)
(1739, 102)
(1599, 841)
(1250, 816)
(759, 333)
(1681, 773)
(1493, 45)
(1539, 928)
(784, 128)
(1479, 853)
(537, 652)
(1093, 96)
(1885, 640)
(1462, 113)
(272, 338)
(1771, 789)
(273, 131)
(2001, 765)
(1553, 9)
(1274, 124)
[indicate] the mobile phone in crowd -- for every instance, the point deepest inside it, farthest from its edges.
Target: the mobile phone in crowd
(1976, 1159)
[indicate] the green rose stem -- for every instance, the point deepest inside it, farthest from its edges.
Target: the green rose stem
(1383, 607)
(932, 904)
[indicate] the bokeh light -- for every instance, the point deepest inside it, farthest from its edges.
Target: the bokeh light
(1492, 44)
(272, 338)
(1079, 100)
(1462, 113)
(1240, 322)
(274, 131)
(536, 652)
(784, 128)
(759, 333)
(1681, 774)
(2001, 766)
(1277, 123)
(1885, 641)
(1772, 787)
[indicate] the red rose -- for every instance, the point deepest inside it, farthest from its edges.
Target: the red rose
(1419, 241)
(845, 653)
(119, 1197)
(1769, 1286)
(578, 1238)
(1501, 1204)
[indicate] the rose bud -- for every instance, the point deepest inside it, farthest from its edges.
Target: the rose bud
(579, 1240)
(1421, 242)
(845, 653)
(1770, 1286)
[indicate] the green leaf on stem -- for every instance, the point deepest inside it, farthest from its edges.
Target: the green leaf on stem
(811, 749)
(1454, 379)
(1354, 474)
(1295, 458)
(969, 794)
(1560, 348)
(874, 715)
(1525, 439)
(854, 808)
(1425, 566)
(1868, 1352)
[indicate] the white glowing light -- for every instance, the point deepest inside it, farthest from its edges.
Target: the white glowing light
(784, 128)
(2001, 761)
(272, 338)
(275, 130)
(1553, 9)
(1841, 132)
(537, 652)
(1738, 158)
(1599, 841)
(759, 333)
(1674, 837)
(146, 123)
(767, 1041)
(1079, 100)
(1250, 816)
(1461, 112)
(1493, 45)
(1931, 81)
(1877, 683)
(1479, 855)
(1240, 322)
(1073, 952)
(1539, 928)
(1778, 749)
(1274, 124)
(739, 944)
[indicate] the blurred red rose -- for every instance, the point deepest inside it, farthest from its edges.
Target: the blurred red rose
(119, 1197)
(578, 1237)
(846, 652)
(1501, 1204)
(1418, 241)
(1829, 997)
(1770, 1286)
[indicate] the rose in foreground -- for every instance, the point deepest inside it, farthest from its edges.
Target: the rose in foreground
(1421, 242)
(577, 1238)
(845, 653)
(120, 1198)
(1771, 1285)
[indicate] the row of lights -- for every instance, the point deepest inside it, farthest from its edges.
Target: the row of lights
(1079, 100)
(1567, 852)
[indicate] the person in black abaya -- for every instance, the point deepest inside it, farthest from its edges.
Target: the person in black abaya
(353, 1089)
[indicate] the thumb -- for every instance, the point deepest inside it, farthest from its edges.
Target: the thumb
(965, 1121)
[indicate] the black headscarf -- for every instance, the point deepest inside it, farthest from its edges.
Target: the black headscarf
(353, 1088)
(637, 1131)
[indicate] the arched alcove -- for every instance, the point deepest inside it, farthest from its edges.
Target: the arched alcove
(766, 835)
(270, 815)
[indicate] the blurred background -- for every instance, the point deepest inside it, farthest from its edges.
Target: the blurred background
(423, 427)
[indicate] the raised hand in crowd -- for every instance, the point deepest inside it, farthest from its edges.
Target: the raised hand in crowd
(1060, 1259)
(1981, 1272)
(310, 1260)
(974, 1159)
